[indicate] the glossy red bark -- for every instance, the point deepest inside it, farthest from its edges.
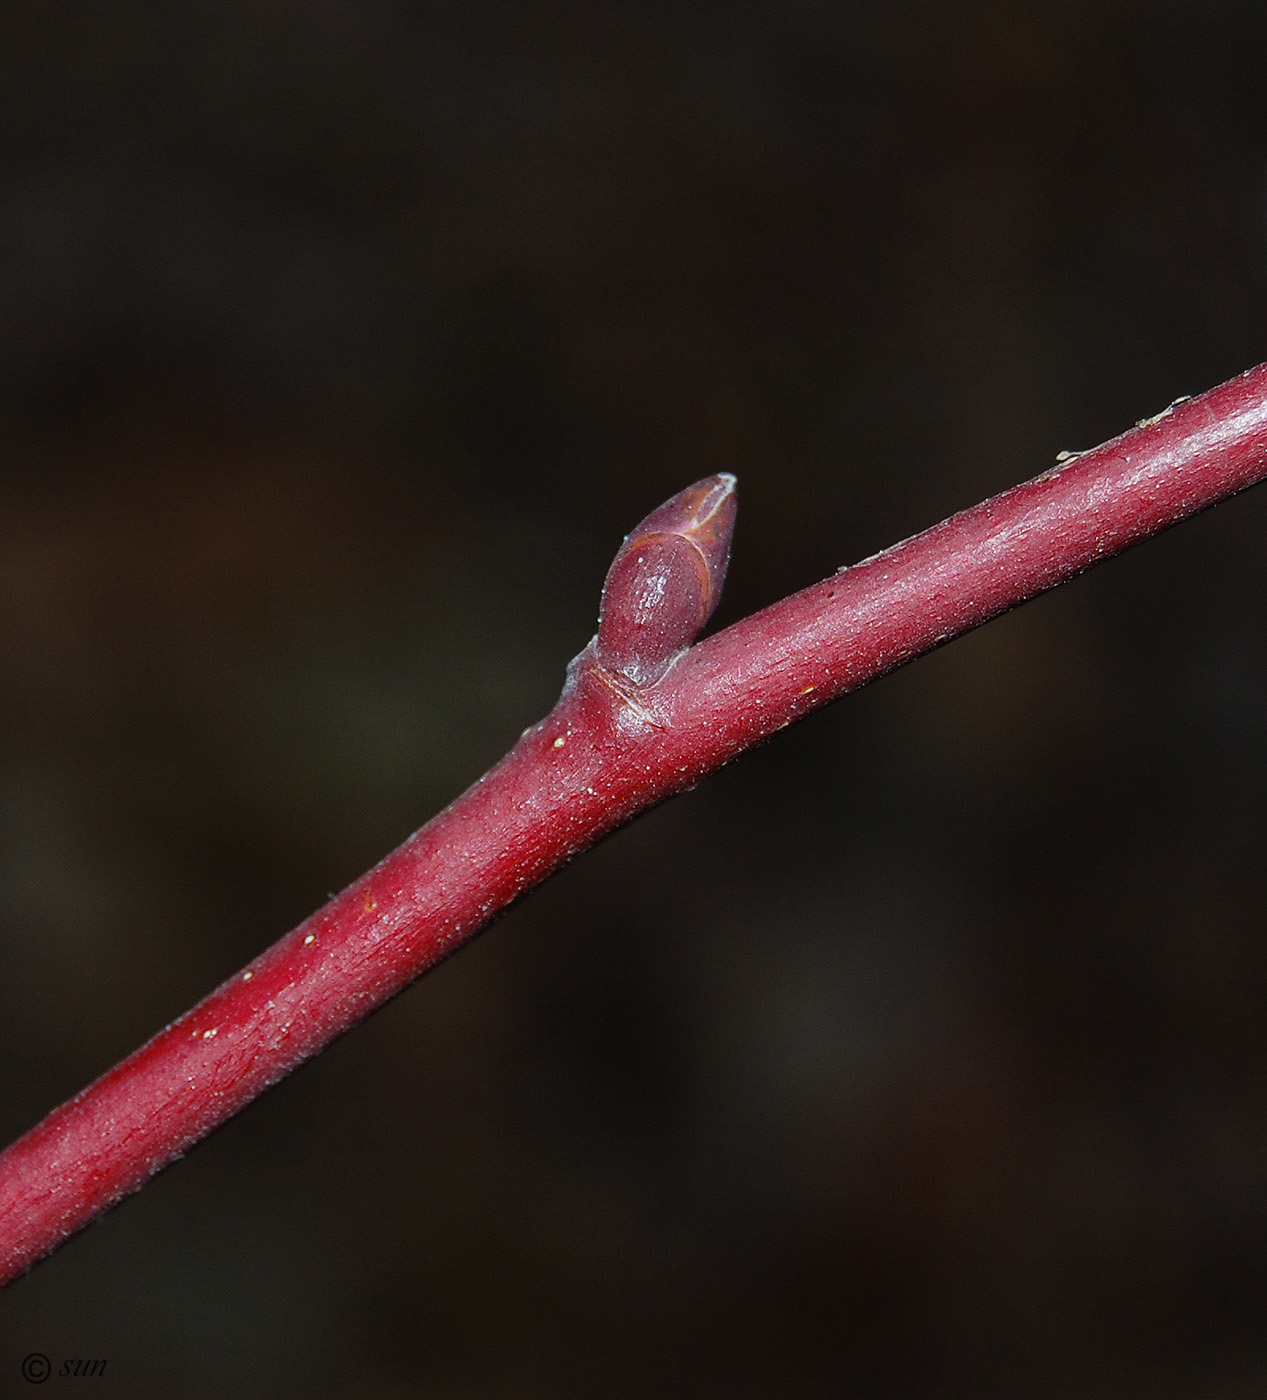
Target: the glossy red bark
(640, 718)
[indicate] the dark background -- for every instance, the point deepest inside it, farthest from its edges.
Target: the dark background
(920, 1054)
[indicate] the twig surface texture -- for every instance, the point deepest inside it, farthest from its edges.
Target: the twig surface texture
(646, 712)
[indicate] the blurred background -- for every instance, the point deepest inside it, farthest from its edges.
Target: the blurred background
(920, 1054)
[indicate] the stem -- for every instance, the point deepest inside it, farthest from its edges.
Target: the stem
(644, 714)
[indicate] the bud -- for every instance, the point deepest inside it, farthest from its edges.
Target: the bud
(666, 580)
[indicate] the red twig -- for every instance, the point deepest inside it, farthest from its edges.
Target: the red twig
(644, 714)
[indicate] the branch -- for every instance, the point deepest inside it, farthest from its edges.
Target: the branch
(645, 713)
